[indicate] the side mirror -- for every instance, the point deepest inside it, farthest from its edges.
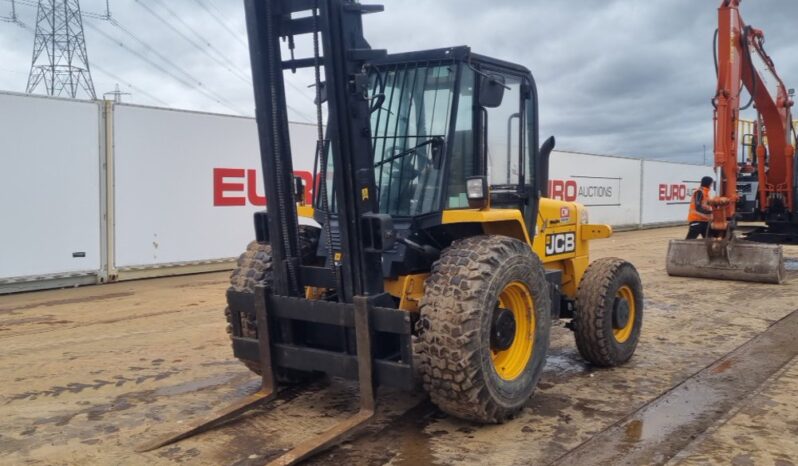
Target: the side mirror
(491, 90)
(544, 155)
(299, 190)
(322, 93)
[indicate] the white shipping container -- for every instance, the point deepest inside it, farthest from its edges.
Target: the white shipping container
(49, 187)
(188, 183)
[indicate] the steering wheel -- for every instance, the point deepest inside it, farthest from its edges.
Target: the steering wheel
(396, 153)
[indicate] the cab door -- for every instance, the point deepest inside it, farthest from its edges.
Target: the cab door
(508, 143)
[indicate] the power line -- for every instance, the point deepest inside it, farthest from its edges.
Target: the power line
(193, 43)
(110, 74)
(219, 20)
(185, 80)
(13, 17)
(107, 72)
(182, 76)
(222, 14)
(131, 86)
(6, 70)
(182, 35)
(33, 4)
(24, 26)
(230, 66)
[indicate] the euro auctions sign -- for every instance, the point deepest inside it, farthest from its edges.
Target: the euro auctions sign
(667, 190)
(236, 187)
(675, 194)
(587, 190)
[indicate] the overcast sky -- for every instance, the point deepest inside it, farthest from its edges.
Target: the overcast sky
(622, 77)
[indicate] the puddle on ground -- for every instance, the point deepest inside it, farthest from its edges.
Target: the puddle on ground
(561, 364)
(664, 427)
(791, 265)
(666, 417)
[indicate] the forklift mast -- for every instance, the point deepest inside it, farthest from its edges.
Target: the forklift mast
(340, 50)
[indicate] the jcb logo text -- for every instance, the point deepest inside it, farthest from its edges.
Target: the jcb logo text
(560, 243)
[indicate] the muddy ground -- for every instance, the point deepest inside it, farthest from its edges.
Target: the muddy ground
(90, 373)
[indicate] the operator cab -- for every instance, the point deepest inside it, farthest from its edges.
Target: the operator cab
(444, 121)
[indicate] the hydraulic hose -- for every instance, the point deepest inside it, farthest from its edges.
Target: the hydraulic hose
(746, 34)
(715, 51)
(747, 50)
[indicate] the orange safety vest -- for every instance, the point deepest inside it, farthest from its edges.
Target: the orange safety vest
(695, 215)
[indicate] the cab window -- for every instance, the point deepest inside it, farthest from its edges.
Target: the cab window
(503, 138)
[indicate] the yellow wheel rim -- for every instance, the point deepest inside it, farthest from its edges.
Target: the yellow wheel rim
(623, 334)
(510, 363)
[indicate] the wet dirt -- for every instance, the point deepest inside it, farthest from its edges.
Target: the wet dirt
(62, 302)
(139, 358)
(667, 425)
(194, 385)
(761, 430)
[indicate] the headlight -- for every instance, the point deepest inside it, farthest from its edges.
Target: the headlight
(584, 216)
(476, 188)
(477, 192)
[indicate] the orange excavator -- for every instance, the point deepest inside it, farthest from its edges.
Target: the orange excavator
(761, 188)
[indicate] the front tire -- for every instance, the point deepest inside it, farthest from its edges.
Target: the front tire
(484, 328)
(254, 267)
(609, 312)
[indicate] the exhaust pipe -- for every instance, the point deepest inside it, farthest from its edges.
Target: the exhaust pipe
(723, 259)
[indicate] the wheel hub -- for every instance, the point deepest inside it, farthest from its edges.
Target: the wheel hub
(620, 313)
(502, 332)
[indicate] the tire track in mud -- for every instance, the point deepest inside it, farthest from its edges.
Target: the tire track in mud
(62, 302)
(102, 322)
(668, 424)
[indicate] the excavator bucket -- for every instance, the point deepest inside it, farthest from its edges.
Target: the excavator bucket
(721, 259)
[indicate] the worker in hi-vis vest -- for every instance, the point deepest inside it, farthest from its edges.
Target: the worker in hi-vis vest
(700, 211)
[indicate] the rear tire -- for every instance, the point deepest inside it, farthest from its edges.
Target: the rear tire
(609, 312)
(461, 368)
(255, 267)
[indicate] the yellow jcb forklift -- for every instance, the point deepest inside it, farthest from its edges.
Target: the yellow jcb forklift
(435, 258)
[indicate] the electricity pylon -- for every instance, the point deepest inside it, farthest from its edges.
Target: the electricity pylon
(60, 62)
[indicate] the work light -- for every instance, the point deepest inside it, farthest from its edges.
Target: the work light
(477, 192)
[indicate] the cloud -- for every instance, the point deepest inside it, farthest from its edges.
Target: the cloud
(626, 77)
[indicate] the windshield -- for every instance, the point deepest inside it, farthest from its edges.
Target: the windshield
(409, 127)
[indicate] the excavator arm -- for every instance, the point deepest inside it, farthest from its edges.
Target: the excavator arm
(737, 45)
